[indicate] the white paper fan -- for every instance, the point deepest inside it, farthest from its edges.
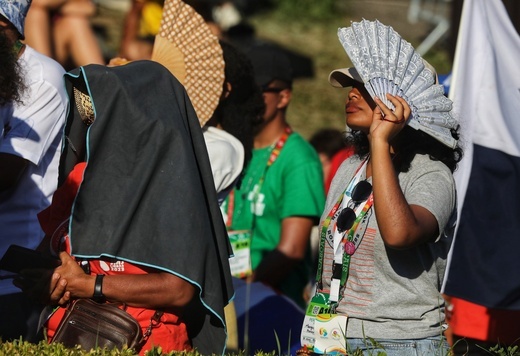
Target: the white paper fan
(187, 47)
(389, 64)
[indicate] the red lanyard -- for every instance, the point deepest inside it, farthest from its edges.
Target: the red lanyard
(275, 152)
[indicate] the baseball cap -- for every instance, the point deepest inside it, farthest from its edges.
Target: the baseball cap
(347, 77)
(269, 64)
(344, 77)
(15, 12)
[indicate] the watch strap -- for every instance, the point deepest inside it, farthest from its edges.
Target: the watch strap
(98, 289)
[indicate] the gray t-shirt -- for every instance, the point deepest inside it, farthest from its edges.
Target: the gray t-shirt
(394, 294)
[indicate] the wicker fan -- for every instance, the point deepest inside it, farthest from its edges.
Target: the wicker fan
(187, 47)
(389, 64)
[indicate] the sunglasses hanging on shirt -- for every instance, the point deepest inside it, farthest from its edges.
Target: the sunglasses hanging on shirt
(347, 215)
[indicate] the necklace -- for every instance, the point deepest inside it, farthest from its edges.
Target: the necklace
(274, 152)
(18, 45)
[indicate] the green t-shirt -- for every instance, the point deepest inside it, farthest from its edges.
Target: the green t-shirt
(292, 186)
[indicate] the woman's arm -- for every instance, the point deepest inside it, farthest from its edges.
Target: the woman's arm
(401, 225)
(280, 262)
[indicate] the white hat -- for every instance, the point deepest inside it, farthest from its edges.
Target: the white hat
(344, 77)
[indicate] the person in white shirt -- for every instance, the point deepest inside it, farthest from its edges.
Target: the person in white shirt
(30, 145)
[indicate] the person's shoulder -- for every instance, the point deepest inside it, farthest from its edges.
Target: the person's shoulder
(423, 162)
(424, 168)
(222, 142)
(217, 134)
(40, 68)
(350, 163)
(300, 147)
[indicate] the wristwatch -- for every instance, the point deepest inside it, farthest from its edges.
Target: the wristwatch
(98, 289)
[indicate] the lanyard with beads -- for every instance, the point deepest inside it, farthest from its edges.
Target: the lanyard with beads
(275, 152)
(344, 244)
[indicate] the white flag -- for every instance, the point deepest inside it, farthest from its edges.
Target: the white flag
(485, 88)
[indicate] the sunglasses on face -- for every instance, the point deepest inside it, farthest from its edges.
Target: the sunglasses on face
(272, 90)
(347, 215)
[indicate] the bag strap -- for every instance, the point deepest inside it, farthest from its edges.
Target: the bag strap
(154, 320)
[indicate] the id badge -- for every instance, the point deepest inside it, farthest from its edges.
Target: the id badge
(240, 263)
(322, 331)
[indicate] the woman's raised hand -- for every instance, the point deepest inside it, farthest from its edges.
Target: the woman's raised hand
(387, 123)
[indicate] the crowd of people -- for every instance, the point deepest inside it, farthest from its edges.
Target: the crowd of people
(80, 32)
(111, 167)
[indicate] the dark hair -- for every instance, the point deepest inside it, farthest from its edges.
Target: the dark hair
(410, 142)
(203, 8)
(328, 141)
(242, 109)
(11, 79)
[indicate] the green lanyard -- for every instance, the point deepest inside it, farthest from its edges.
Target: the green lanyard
(350, 242)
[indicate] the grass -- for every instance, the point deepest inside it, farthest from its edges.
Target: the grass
(23, 348)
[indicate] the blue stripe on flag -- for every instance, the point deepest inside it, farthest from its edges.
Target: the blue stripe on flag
(485, 261)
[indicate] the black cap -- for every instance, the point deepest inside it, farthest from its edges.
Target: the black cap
(270, 63)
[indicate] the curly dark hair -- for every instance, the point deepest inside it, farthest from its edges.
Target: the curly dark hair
(241, 111)
(11, 79)
(410, 142)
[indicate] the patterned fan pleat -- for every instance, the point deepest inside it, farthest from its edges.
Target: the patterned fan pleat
(389, 64)
(191, 44)
(170, 56)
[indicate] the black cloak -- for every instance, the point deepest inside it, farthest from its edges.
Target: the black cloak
(148, 195)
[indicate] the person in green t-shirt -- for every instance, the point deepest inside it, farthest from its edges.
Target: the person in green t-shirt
(271, 214)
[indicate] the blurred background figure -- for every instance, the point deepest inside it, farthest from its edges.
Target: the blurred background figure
(230, 131)
(279, 199)
(142, 22)
(229, 140)
(62, 29)
(271, 214)
(108, 25)
(331, 145)
(140, 26)
(32, 113)
(332, 148)
(327, 142)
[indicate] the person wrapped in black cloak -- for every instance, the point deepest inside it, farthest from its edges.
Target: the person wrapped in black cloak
(137, 207)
